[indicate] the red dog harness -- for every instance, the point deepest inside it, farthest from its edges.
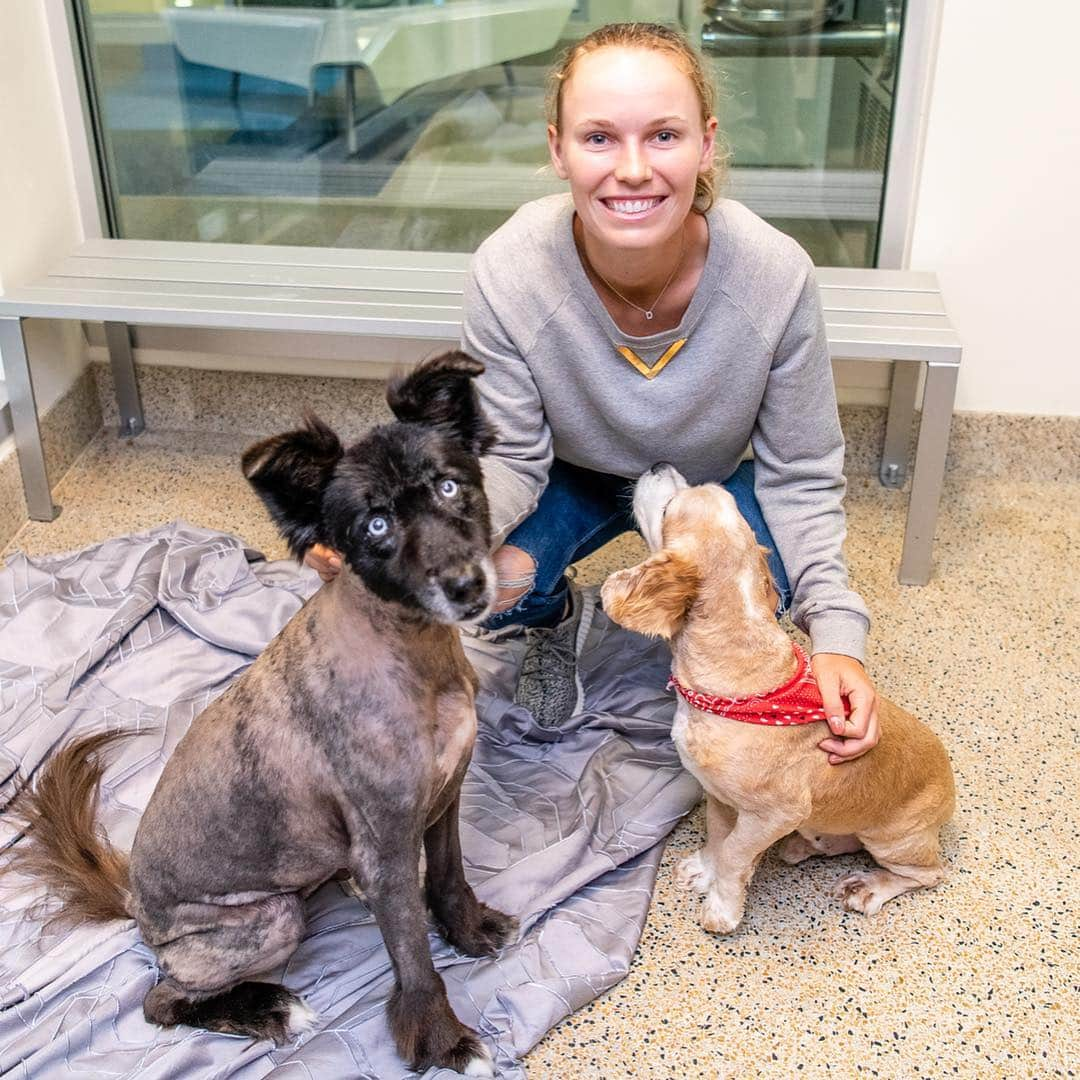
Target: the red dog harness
(798, 701)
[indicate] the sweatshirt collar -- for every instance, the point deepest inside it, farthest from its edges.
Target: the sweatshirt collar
(582, 287)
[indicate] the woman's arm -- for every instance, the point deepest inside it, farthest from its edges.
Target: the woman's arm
(799, 482)
(517, 466)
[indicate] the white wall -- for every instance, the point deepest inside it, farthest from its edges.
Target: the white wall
(998, 210)
(38, 212)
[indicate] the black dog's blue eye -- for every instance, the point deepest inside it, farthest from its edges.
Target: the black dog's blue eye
(448, 488)
(378, 526)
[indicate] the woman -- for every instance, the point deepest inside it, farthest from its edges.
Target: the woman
(637, 319)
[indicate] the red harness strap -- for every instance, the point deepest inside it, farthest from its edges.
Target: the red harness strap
(798, 701)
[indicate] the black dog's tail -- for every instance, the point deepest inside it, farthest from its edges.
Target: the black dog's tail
(62, 845)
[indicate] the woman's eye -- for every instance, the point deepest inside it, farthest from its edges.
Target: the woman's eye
(448, 488)
(378, 526)
(597, 138)
(666, 136)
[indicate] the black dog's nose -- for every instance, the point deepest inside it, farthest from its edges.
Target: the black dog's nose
(463, 585)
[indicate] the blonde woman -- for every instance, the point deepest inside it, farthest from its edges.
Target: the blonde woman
(640, 318)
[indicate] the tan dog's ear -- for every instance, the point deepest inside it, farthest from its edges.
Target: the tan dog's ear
(653, 597)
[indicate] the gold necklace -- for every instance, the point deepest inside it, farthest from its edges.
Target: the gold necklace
(651, 309)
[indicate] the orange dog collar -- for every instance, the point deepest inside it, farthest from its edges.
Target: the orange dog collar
(798, 701)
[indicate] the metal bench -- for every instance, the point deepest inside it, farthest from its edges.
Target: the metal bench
(886, 315)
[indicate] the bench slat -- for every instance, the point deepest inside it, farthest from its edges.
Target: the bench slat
(380, 320)
(143, 301)
(441, 322)
(192, 294)
(194, 281)
(889, 343)
(894, 319)
(882, 300)
(263, 276)
(325, 283)
(872, 279)
(269, 255)
(274, 255)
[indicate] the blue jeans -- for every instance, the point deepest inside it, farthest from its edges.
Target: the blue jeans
(580, 511)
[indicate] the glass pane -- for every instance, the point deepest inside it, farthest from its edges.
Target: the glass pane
(419, 126)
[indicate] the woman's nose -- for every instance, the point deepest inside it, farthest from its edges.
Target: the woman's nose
(632, 166)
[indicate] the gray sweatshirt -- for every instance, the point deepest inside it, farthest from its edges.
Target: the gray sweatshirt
(754, 369)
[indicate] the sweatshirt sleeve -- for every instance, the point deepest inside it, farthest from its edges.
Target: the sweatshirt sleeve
(516, 468)
(799, 481)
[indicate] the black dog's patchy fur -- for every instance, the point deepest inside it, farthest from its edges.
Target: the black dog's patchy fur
(341, 749)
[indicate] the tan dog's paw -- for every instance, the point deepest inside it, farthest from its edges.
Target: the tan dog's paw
(718, 916)
(693, 873)
(863, 891)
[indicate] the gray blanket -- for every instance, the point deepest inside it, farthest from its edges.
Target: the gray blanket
(563, 830)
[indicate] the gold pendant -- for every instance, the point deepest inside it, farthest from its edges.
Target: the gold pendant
(632, 357)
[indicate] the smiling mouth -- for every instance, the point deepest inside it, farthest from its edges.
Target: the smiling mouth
(633, 207)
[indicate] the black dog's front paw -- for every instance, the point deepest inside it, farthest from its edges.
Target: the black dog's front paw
(427, 1034)
(481, 930)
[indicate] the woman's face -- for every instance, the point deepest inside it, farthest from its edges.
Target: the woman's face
(632, 144)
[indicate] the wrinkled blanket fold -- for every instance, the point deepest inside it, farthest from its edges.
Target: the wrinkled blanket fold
(562, 829)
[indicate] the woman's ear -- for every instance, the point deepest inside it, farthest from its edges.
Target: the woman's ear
(555, 152)
(653, 597)
(708, 146)
(289, 472)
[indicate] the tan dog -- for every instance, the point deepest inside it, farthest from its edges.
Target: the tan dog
(707, 589)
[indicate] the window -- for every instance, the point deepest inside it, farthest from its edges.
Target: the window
(419, 126)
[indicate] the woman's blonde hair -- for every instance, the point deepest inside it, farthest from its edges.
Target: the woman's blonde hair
(660, 39)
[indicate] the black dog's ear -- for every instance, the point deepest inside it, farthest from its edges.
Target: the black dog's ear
(439, 392)
(290, 472)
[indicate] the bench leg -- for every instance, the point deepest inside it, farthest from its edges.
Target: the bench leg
(125, 381)
(24, 418)
(926, 483)
(894, 454)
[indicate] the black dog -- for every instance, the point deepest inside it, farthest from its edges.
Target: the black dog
(342, 748)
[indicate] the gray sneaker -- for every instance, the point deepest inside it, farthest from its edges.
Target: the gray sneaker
(548, 684)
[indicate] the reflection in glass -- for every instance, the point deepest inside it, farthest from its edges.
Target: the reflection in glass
(419, 126)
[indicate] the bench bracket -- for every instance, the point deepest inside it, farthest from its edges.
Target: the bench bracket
(128, 401)
(902, 394)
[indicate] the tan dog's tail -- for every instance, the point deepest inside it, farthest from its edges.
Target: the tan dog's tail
(62, 845)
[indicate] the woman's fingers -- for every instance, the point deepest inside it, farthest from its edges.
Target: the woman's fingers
(851, 747)
(325, 561)
(851, 736)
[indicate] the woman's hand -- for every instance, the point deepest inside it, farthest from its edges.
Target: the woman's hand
(851, 738)
(325, 561)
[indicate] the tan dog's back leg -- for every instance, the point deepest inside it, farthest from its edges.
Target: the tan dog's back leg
(802, 845)
(913, 862)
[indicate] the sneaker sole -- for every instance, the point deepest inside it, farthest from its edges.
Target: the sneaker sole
(588, 600)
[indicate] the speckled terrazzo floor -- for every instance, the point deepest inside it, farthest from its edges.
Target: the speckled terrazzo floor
(977, 978)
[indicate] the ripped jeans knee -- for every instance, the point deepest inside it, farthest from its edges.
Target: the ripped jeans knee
(515, 578)
(510, 592)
